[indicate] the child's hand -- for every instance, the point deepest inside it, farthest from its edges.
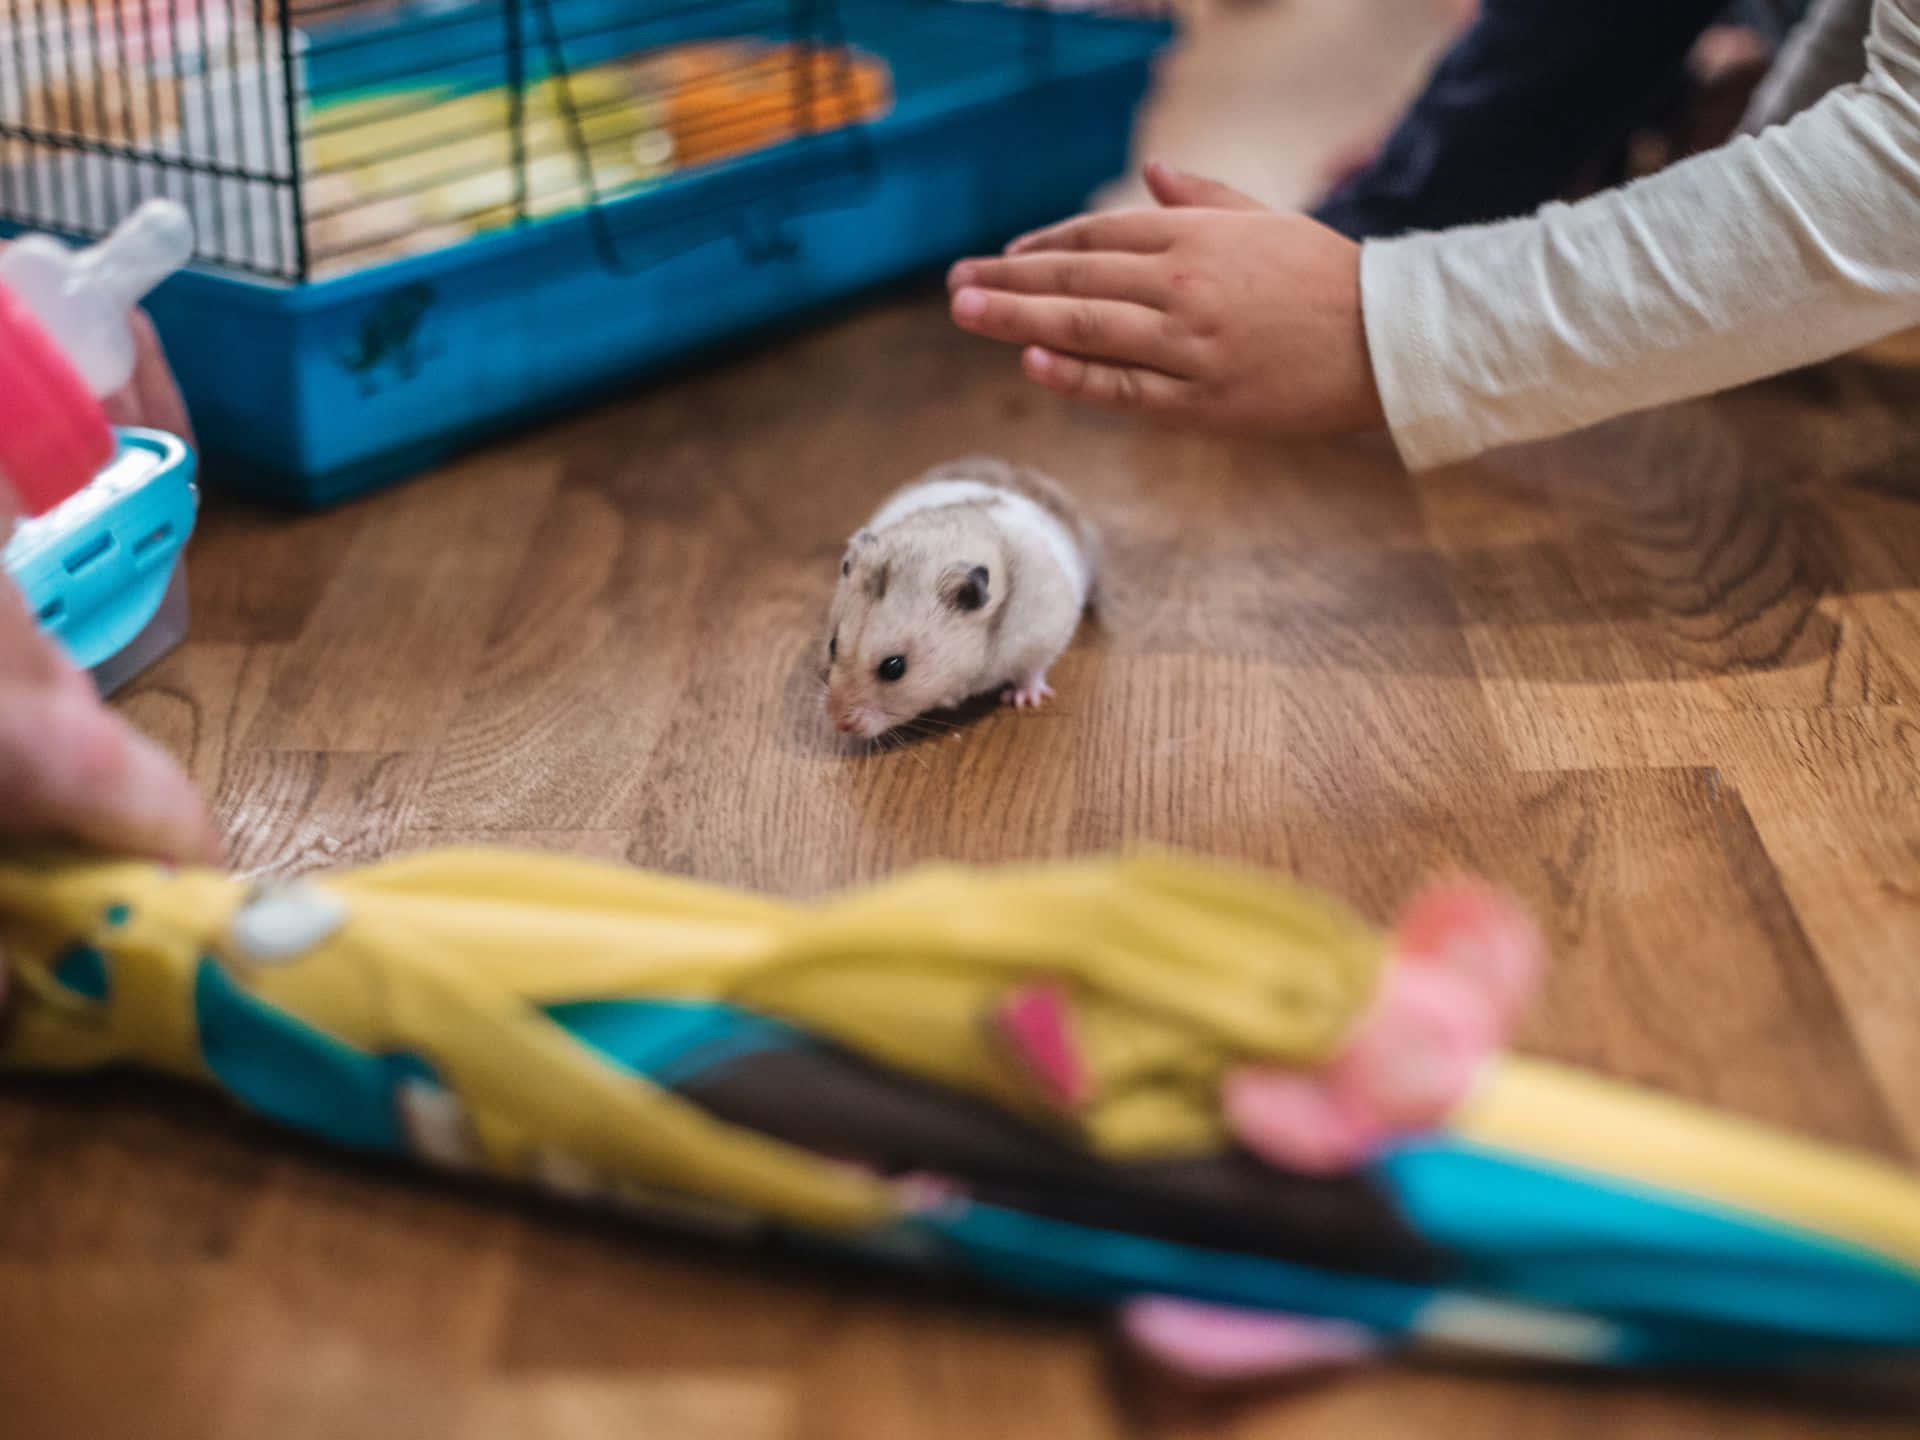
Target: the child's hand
(1213, 311)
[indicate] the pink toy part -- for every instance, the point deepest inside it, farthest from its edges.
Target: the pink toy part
(1465, 960)
(1035, 1020)
(1472, 929)
(1217, 1345)
(54, 436)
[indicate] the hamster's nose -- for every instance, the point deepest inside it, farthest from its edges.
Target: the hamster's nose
(844, 722)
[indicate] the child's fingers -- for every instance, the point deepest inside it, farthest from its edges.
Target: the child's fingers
(1140, 232)
(1219, 1345)
(1137, 278)
(1098, 329)
(1126, 388)
(1178, 189)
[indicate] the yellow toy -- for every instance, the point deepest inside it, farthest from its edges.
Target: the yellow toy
(1028, 1074)
(455, 957)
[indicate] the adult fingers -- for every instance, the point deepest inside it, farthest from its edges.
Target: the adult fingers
(28, 657)
(151, 399)
(71, 767)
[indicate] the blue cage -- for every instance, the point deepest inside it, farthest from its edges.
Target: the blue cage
(425, 222)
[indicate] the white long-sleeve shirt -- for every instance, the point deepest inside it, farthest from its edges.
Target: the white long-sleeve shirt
(1775, 251)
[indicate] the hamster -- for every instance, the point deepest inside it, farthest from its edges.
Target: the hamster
(970, 580)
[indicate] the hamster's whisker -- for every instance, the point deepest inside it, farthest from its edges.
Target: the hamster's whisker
(897, 739)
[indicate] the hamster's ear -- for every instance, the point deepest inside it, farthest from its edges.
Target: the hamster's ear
(965, 587)
(854, 547)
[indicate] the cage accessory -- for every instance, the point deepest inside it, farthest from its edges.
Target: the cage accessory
(65, 345)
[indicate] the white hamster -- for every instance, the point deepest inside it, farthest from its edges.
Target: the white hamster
(970, 580)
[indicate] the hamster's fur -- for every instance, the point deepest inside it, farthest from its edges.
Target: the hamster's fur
(972, 579)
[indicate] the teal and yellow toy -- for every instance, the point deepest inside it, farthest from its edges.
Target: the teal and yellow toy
(1010, 1074)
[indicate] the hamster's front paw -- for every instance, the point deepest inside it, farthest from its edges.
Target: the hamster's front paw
(1028, 694)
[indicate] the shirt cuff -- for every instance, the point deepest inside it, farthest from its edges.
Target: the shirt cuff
(1401, 297)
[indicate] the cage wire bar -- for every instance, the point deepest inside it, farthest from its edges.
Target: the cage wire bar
(107, 102)
(313, 138)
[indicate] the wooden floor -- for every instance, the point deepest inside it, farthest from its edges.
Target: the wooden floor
(1661, 680)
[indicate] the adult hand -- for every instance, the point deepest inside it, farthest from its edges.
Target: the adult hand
(1211, 311)
(151, 398)
(70, 767)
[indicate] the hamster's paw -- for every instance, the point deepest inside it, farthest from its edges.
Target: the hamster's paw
(1029, 694)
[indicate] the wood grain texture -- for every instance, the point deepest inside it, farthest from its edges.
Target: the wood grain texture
(1660, 679)
(1657, 679)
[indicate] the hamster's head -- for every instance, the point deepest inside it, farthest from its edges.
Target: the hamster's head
(911, 627)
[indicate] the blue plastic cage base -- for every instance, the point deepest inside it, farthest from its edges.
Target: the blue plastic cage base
(309, 394)
(244, 476)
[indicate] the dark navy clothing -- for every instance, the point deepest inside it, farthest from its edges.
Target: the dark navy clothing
(1530, 95)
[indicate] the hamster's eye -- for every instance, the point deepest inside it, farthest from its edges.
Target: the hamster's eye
(846, 567)
(892, 668)
(833, 648)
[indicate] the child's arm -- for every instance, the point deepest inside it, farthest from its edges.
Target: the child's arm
(1772, 252)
